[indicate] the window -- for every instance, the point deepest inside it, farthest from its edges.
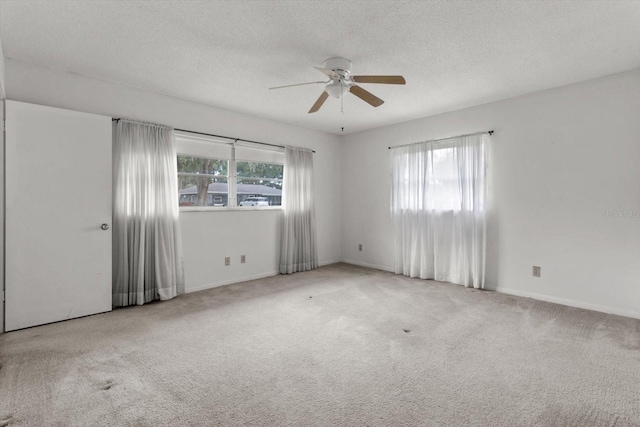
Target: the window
(430, 179)
(443, 180)
(259, 184)
(211, 174)
(203, 181)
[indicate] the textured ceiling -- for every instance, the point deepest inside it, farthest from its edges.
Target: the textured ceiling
(227, 53)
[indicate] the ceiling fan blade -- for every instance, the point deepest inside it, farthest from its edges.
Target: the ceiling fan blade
(366, 96)
(297, 84)
(323, 97)
(328, 72)
(388, 80)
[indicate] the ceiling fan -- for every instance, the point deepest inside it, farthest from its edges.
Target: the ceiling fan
(341, 81)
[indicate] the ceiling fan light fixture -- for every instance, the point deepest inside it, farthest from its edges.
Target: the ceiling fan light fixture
(336, 89)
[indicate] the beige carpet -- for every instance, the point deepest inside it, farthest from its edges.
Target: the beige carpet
(341, 345)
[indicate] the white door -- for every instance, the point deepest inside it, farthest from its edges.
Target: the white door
(58, 195)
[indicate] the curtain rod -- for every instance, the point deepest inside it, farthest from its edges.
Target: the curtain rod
(222, 136)
(490, 132)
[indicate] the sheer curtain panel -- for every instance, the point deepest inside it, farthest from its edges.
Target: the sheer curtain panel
(298, 240)
(438, 210)
(147, 247)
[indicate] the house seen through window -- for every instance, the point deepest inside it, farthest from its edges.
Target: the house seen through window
(203, 181)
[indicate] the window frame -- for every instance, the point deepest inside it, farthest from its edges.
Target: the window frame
(232, 179)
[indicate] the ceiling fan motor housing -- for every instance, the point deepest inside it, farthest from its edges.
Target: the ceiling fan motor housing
(340, 66)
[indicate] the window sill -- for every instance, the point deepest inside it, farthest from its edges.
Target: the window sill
(228, 209)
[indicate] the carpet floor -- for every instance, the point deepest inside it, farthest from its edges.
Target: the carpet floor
(337, 346)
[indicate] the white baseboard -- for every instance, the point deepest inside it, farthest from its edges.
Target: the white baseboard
(570, 302)
(323, 263)
(533, 295)
(231, 281)
(366, 264)
(246, 278)
(519, 293)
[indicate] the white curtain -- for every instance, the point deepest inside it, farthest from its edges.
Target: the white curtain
(298, 239)
(438, 210)
(147, 247)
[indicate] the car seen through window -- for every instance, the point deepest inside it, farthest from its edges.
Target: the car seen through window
(255, 201)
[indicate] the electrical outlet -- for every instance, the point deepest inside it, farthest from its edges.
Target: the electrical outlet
(536, 271)
(243, 259)
(227, 260)
(360, 247)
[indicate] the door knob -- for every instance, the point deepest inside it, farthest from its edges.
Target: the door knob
(105, 226)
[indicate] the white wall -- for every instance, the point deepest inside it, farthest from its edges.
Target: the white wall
(2, 86)
(2, 217)
(207, 236)
(558, 160)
